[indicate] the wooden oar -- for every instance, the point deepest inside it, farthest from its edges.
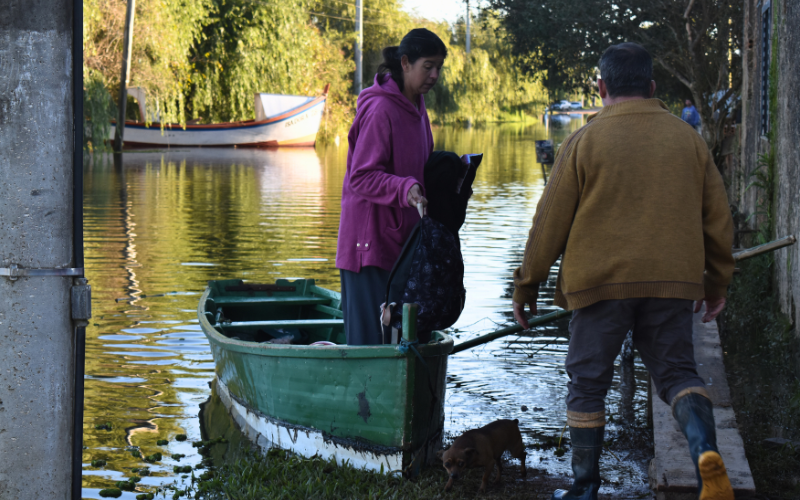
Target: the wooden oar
(547, 318)
(510, 330)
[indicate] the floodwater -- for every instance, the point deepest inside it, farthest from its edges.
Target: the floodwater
(162, 224)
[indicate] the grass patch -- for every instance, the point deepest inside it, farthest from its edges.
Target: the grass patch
(762, 353)
(279, 474)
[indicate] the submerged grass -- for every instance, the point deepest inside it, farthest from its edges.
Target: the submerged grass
(762, 360)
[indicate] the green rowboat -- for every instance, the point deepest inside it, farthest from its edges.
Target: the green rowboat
(287, 378)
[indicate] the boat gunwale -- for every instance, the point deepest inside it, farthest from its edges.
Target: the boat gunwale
(441, 348)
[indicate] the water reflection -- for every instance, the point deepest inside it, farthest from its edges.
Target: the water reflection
(160, 225)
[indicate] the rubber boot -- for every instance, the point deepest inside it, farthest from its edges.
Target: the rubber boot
(695, 416)
(587, 444)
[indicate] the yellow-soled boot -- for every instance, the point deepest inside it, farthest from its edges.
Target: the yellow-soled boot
(694, 413)
(715, 483)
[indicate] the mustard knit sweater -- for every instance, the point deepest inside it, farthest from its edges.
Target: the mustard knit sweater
(636, 208)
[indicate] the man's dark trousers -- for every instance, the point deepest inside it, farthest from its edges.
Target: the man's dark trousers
(662, 333)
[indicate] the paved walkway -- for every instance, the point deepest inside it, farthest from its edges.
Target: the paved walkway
(672, 473)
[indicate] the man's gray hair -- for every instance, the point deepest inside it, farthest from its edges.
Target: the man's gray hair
(627, 70)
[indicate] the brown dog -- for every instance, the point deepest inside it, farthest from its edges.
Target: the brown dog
(484, 447)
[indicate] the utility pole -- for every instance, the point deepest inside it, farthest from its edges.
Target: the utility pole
(124, 78)
(468, 37)
(42, 290)
(359, 45)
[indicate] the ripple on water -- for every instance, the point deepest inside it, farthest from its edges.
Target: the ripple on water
(119, 337)
(140, 330)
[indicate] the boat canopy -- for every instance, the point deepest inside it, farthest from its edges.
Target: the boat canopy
(270, 105)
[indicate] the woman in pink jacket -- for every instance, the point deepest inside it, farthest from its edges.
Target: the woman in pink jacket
(389, 143)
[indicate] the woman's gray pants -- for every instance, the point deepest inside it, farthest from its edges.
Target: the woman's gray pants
(362, 296)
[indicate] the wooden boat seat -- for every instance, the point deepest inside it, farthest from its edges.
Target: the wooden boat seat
(298, 300)
(289, 323)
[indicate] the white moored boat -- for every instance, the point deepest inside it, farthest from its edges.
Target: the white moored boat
(281, 120)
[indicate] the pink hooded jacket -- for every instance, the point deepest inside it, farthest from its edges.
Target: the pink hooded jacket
(389, 143)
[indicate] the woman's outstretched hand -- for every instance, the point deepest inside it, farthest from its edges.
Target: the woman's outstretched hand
(415, 197)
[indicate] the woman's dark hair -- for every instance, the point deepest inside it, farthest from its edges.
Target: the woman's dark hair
(627, 70)
(417, 43)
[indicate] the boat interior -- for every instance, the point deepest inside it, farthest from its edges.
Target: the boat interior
(287, 312)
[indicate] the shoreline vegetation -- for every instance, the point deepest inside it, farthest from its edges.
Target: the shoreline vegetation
(203, 60)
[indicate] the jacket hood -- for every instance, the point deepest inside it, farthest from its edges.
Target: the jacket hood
(384, 86)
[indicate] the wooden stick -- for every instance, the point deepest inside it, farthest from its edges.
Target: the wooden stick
(511, 330)
(547, 318)
(766, 247)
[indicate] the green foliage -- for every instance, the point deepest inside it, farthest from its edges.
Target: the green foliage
(250, 47)
(162, 442)
(700, 47)
(104, 426)
(180, 437)
(763, 178)
(205, 60)
(164, 31)
(98, 463)
(99, 109)
(761, 348)
(486, 83)
(110, 492)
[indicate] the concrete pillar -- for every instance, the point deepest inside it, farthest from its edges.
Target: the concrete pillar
(36, 230)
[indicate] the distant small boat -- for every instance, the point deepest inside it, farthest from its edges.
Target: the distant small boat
(281, 120)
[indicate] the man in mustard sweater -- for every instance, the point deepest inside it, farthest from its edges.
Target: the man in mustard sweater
(637, 210)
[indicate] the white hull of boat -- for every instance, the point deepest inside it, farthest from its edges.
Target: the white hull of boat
(269, 433)
(296, 127)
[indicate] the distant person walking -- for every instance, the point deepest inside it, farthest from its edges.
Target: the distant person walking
(690, 115)
(637, 211)
(389, 142)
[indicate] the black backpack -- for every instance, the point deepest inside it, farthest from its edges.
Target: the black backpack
(429, 273)
(430, 269)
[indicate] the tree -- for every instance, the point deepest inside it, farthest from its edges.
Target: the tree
(696, 42)
(248, 47)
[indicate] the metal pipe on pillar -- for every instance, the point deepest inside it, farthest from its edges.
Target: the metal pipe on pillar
(359, 76)
(81, 292)
(127, 44)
